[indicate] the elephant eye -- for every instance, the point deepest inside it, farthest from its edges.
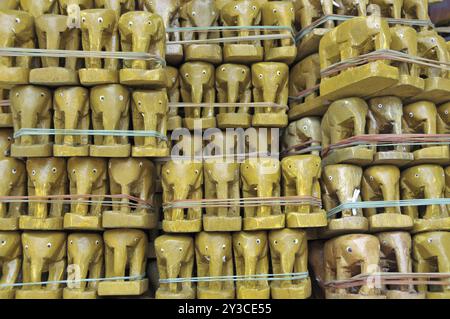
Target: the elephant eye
(223, 69)
(278, 73)
(254, 7)
(150, 23)
(94, 171)
(260, 76)
(274, 10)
(349, 249)
(416, 175)
(61, 94)
(296, 241)
(54, 169)
(290, 166)
(120, 97)
(194, 13)
(3, 242)
(186, 75)
(180, 249)
(83, 19)
(330, 177)
(258, 241)
(162, 250)
(292, 9)
(33, 172)
(97, 242)
(14, 171)
(42, 94)
(73, 171)
(17, 94)
(224, 247)
(17, 20)
(430, 240)
(204, 72)
(141, 164)
(196, 171)
(26, 246)
(411, 114)
(71, 242)
(102, 98)
(380, 106)
(206, 247)
(9, 139)
(371, 178)
(275, 242)
(130, 23)
(243, 71)
(100, 20)
(49, 245)
(445, 112)
(305, 128)
(239, 243)
(384, 242)
(235, 7)
(139, 103)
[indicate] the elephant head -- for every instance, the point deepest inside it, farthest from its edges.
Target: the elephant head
(233, 83)
(175, 257)
(305, 75)
(302, 131)
(214, 258)
(420, 117)
(443, 125)
(85, 251)
(46, 176)
(9, 5)
(83, 4)
(168, 10)
(10, 247)
(31, 108)
(44, 252)
(87, 175)
(199, 13)
(142, 31)
(432, 46)
(424, 181)
(6, 137)
(241, 13)
(396, 251)
(261, 178)
(125, 248)
(381, 182)
(278, 13)
(110, 105)
(13, 183)
(389, 8)
(386, 112)
(97, 27)
(301, 175)
(289, 252)
(38, 8)
(270, 83)
(119, 6)
(71, 105)
(251, 257)
(339, 184)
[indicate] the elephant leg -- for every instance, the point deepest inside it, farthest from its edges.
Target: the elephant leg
(109, 262)
(95, 272)
(10, 272)
(186, 272)
(137, 261)
(290, 190)
(195, 213)
(422, 266)
(26, 271)
(369, 195)
(56, 273)
(411, 211)
(373, 127)
(57, 208)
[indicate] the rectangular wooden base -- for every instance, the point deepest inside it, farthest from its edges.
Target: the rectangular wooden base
(54, 76)
(37, 150)
(92, 77)
(253, 293)
(39, 294)
(79, 222)
(301, 290)
(268, 222)
(211, 53)
(218, 223)
(356, 155)
(122, 288)
(182, 226)
(151, 79)
(164, 293)
(117, 219)
(388, 222)
(33, 223)
(299, 220)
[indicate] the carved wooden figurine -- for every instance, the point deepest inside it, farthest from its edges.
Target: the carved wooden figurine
(10, 262)
(300, 133)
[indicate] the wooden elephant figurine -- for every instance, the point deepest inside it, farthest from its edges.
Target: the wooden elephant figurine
(341, 184)
(174, 95)
(214, 258)
(443, 120)
(6, 138)
(432, 46)
(279, 14)
(143, 32)
(222, 180)
(149, 113)
(13, 183)
(44, 256)
(72, 9)
(71, 112)
(233, 85)
(353, 8)
(431, 254)
(200, 14)
(308, 11)
(382, 183)
(110, 106)
(346, 118)
(303, 76)
(119, 6)
(175, 257)
(289, 254)
(87, 176)
(416, 9)
(242, 13)
(300, 132)
(270, 85)
(342, 255)
(16, 30)
(425, 181)
(131, 177)
(169, 11)
(9, 5)
(261, 179)
(38, 8)
(99, 33)
(53, 33)
(126, 257)
(10, 261)
(46, 177)
(395, 256)
(85, 255)
(301, 174)
(198, 86)
(31, 108)
(389, 8)
(182, 180)
(251, 257)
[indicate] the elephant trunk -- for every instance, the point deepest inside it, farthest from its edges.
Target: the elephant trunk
(150, 124)
(389, 192)
(287, 260)
(172, 273)
(120, 260)
(6, 41)
(232, 94)
(270, 92)
(29, 120)
(84, 187)
(179, 193)
(36, 272)
(250, 270)
(304, 188)
(125, 202)
(53, 42)
(197, 98)
(244, 20)
(83, 264)
(141, 43)
(264, 190)
(109, 124)
(215, 270)
(222, 193)
(403, 259)
(42, 190)
(435, 190)
(70, 123)
(370, 265)
(95, 44)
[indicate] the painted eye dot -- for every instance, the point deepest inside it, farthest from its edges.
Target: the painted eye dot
(371, 178)
(278, 73)
(295, 241)
(71, 242)
(49, 245)
(54, 169)
(83, 19)
(446, 112)
(100, 20)
(9, 139)
(224, 247)
(139, 103)
(235, 7)
(223, 69)
(94, 171)
(416, 175)
(42, 94)
(349, 249)
(102, 98)
(206, 247)
(73, 171)
(162, 250)
(430, 240)
(411, 114)
(274, 10)
(260, 76)
(97, 242)
(141, 164)
(3, 242)
(275, 242)
(204, 72)
(186, 75)
(330, 177)
(61, 94)
(17, 20)
(130, 23)
(194, 13)
(258, 241)
(180, 249)
(196, 171)
(26, 246)
(384, 242)
(305, 128)
(254, 7)
(14, 171)
(33, 172)
(120, 97)
(380, 106)
(17, 94)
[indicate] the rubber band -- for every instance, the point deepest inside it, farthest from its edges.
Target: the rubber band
(130, 278)
(5, 103)
(304, 93)
(391, 203)
(40, 132)
(256, 277)
(220, 105)
(301, 148)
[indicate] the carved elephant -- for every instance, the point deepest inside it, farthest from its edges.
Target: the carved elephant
(404, 39)
(198, 86)
(350, 255)
(71, 8)
(182, 180)
(431, 253)
(416, 9)
(85, 254)
(307, 11)
(305, 75)
(420, 117)
(169, 11)
(353, 8)
(443, 120)
(289, 254)
(46, 177)
(233, 84)
(6, 137)
(222, 181)
(175, 257)
(71, 112)
(344, 118)
(39, 7)
(302, 131)
(88, 176)
(214, 258)
(31, 108)
(16, 30)
(149, 113)
(10, 262)
(199, 13)
(110, 106)
(43, 253)
(431, 45)
(389, 8)
(241, 13)
(13, 183)
(119, 6)
(9, 5)
(251, 257)
(424, 181)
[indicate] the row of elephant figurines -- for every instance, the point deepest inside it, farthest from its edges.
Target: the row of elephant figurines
(35, 257)
(213, 255)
